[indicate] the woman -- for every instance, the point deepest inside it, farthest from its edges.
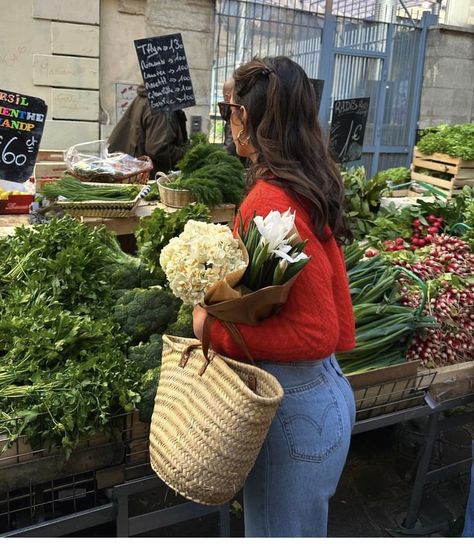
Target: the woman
(274, 124)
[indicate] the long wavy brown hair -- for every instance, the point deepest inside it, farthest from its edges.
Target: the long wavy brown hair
(290, 149)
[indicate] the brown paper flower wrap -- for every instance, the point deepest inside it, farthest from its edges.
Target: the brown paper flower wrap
(231, 302)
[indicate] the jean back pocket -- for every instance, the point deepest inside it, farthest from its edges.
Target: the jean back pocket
(311, 420)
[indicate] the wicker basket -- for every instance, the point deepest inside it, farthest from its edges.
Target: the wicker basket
(174, 198)
(139, 177)
(100, 208)
(208, 423)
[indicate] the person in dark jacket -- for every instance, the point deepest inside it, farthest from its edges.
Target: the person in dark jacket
(162, 136)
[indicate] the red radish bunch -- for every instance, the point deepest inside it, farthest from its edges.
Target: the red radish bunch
(452, 305)
(394, 245)
(447, 254)
(371, 252)
(454, 341)
(422, 234)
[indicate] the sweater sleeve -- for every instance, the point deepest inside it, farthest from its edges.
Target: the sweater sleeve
(286, 335)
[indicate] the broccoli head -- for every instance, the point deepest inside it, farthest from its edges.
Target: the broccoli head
(183, 326)
(134, 273)
(147, 354)
(143, 312)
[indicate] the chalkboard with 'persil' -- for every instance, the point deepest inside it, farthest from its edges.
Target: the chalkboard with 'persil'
(165, 72)
(349, 118)
(22, 121)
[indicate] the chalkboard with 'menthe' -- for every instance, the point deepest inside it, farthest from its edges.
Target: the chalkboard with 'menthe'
(165, 72)
(22, 120)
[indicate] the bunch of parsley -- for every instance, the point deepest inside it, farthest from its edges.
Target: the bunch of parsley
(63, 372)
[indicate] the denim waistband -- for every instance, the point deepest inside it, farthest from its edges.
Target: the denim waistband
(294, 373)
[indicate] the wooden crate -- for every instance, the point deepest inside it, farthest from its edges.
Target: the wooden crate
(50, 166)
(50, 155)
(461, 172)
(22, 465)
(224, 213)
(386, 390)
(453, 381)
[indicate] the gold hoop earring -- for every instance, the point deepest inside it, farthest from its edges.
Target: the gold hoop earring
(239, 138)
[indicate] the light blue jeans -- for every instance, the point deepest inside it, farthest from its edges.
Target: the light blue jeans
(300, 463)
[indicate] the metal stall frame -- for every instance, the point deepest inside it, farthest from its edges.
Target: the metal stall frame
(333, 43)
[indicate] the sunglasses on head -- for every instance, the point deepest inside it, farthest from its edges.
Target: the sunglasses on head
(225, 109)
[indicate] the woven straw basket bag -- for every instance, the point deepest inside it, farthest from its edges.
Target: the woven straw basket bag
(208, 425)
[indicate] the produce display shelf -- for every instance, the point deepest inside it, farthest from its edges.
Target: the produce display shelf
(60, 499)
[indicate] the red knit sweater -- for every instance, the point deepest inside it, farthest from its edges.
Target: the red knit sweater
(317, 318)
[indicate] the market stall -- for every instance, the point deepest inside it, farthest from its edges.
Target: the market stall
(74, 443)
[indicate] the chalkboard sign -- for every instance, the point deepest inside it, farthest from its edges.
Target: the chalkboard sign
(349, 118)
(22, 121)
(165, 72)
(318, 86)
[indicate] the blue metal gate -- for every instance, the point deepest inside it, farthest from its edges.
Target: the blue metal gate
(374, 48)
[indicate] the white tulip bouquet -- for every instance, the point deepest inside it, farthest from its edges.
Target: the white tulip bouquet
(274, 248)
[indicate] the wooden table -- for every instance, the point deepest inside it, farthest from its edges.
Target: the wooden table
(8, 223)
(224, 213)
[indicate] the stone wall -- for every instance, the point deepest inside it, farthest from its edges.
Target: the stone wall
(448, 80)
(50, 49)
(76, 54)
(123, 21)
(195, 20)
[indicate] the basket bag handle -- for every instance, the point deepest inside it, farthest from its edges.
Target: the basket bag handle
(205, 345)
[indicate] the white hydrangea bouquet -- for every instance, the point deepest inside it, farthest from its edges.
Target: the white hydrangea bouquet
(241, 280)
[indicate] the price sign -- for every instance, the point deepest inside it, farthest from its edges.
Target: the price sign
(349, 118)
(22, 121)
(165, 72)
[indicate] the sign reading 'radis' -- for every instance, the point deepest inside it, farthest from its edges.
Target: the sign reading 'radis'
(165, 72)
(21, 126)
(349, 118)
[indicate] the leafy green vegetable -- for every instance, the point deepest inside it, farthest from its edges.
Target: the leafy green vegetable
(64, 260)
(211, 174)
(469, 224)
(204, 190)
(157, 230)
(362, 199)
(392, 222)
(143, 312)
(63, 369)
(454, 140)
(197, 156)
(66, 373)
(154, 193)
(396, 176)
